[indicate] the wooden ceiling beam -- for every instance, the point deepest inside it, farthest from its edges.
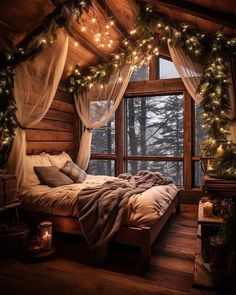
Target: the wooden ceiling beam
(216, 16)
(119, 27)
(89, 46)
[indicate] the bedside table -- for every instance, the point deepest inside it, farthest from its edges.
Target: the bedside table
(14, 235)
(207, 226)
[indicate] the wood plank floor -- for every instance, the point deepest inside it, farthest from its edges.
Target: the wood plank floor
(73, 271)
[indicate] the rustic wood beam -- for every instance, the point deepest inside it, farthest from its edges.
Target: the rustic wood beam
(211, 14)
(154, 86)
(83, 41)
(89, 46)
(119, 27)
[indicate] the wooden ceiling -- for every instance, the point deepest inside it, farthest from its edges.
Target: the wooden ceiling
(19, 18)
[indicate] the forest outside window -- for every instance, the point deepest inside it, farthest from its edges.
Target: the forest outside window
(103, 145)
(154, 128)
(160, 131)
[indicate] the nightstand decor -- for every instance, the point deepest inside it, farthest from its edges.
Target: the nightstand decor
(41, 248)
(207, 209)
(8, 193)
(46, 234)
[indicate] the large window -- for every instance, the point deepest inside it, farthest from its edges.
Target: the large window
(166, 69)
(140, 73)
(160, 131)
(103, 144)
(154, 127)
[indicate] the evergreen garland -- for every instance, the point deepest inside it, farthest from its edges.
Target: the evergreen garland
(214, 50)
(8, 121)
(152, 29)
(60, 17)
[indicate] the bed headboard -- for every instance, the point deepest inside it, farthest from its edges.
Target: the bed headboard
(53, 152)
(56, 132)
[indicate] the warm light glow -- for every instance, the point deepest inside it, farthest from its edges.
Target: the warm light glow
(133, 32)
(83, 28)
(76, 44)
(219, 151)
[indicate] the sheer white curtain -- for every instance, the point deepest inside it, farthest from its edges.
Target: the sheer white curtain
(35, 85)
(190, 72)
(96, 106)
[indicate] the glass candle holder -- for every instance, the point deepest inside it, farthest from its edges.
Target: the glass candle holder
(45, 228)
(207, 209)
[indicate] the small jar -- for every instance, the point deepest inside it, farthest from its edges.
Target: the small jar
(45, 228)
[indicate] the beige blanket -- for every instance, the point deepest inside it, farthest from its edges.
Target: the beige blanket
(102, 208)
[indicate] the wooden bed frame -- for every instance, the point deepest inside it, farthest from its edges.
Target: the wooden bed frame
(142, 237)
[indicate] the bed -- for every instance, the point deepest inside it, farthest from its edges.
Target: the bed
(141, 224)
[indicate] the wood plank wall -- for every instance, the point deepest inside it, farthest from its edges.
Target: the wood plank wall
(56, 131)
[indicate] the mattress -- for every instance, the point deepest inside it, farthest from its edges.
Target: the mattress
(142, 209)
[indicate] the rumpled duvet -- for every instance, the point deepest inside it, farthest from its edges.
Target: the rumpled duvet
(102, 208)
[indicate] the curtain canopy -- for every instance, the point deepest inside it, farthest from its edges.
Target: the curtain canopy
(35, 85)
(96, 106)
(190, 72)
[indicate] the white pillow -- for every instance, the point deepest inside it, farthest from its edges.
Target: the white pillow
(59, 160)
(31, 161)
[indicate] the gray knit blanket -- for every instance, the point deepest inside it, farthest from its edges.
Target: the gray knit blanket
(101, 208)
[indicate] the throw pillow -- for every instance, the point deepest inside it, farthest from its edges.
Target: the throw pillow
(59, 160)
(52, 176)
(74, 172)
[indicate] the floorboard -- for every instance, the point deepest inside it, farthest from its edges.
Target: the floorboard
(73, 271)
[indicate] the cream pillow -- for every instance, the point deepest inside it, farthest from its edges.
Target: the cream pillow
(31, 161)
(59, 160)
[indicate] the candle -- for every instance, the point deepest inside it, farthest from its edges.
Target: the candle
(46, 234)
(47, 241)
(207, 209)
(209, 166)
(219, 151)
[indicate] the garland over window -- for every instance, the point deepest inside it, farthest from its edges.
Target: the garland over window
(60, 17)
(213, 50)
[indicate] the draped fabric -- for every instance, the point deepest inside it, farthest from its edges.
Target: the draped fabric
(190, 72)
(35, 85)
(96, 106)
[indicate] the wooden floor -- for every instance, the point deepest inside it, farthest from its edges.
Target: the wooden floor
(73, 271)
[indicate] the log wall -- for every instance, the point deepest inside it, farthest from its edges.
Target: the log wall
(56, 131)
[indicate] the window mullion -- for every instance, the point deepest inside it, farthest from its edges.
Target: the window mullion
(119, 138)
(188, 141)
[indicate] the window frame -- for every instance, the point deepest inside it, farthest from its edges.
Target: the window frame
(155, 86)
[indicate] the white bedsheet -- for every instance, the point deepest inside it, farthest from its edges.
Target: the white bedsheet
(143, 209)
